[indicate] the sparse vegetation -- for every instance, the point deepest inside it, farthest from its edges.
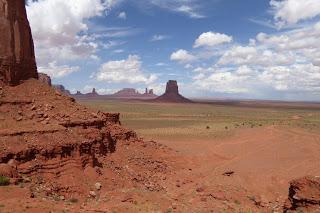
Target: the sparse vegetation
(181, 121)
(4, 181)
(73, 200)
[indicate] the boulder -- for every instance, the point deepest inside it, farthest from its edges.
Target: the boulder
(17, 58)
(304, 195)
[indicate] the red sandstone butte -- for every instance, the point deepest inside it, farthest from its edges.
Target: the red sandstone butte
(17, 58)
(172, 94)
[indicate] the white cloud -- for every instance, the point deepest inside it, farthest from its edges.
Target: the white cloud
(210, 39)
(295, 78)
(226, 81)
(187, 7)
(189, 11)
(182, 56)
(111, 44)
(125, 71)
(60, 32)
(249, 55)
(122, 15)
(188, 66)
(57, 71)
(289, 12)
(118, 51)
(159, 37)
(56, 31)
(161, 64)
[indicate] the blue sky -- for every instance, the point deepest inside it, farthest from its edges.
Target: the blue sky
(266, 49)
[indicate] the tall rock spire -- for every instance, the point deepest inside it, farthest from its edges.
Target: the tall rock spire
(17, 58)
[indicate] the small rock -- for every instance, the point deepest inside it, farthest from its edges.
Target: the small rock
(62, 198)
(98, 186)
(19, 118)
(200, 189)
(228, 173)
(33, 107)
(92, 194)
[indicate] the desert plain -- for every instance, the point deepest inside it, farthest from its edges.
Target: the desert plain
(262, 144)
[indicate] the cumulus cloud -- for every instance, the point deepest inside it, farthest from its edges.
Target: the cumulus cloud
(182, 56)
(244, 55)
(211, 39)
(294, 78)
(289, 12)
(56, 27)
(125, 71)
(226, 81)
(58, 71)
(122, 15)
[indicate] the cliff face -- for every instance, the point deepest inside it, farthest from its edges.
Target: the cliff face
(17, 58)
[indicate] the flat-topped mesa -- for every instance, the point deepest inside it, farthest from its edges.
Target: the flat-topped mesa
(17, 58)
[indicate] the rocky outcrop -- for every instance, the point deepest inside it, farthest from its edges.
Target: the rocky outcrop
(172, 94)
(44, 78)
(17, 58)
(56, 146)
(62, 89)
(304, 195)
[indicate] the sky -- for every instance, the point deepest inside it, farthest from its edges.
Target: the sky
(238, 49)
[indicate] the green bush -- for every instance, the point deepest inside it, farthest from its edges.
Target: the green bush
(4, 181)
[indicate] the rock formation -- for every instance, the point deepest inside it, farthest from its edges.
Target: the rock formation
(92, 94)
(17, 58)
(172, 94)
(62, 89)
(44, 78)
(127, 92)
(304, 195)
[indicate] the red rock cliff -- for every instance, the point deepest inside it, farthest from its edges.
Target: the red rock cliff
(17, 58)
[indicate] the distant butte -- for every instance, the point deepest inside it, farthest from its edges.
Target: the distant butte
(172, 94)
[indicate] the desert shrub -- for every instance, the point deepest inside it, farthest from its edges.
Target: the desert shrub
(74, 200)
(4, 181)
